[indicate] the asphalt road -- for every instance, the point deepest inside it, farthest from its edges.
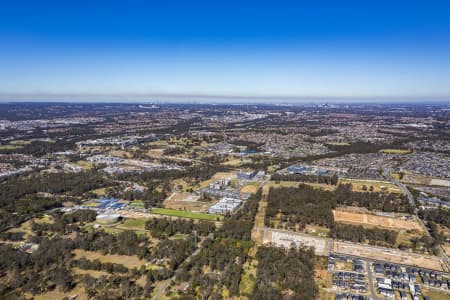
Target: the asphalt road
(373, 294)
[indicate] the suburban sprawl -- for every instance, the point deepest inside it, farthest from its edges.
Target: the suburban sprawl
(197, 201)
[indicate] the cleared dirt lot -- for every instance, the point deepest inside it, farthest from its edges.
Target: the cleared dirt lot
(186, 201)
(447, 248)
(391, 255)
(250, 188)
(365, 219)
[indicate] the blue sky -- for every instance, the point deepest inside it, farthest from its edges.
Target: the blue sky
(143, 49)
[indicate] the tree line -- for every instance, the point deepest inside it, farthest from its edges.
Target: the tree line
(359, 234)
(166, 227)
(322, 179)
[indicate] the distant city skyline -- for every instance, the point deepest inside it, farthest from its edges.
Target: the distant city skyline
(329, 51)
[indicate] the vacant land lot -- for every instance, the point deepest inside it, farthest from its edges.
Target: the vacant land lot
(93, 273)
(378, 186)
(133, 224)
(185, 214)
(217, 176)
(395, 151)
(447, 248)
(128, 261)
(370, 220)
(234, 162)
(440, 182)
(338, 144)
(250, 188)
(84, 164)
(186, 201)
(9, 147)
(137, 204)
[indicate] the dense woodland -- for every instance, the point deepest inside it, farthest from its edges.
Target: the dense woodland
(285, 274)
(40, 148)
(24, 197)
(298, 206)
(332, 180)
(46, 268)
(437, 215)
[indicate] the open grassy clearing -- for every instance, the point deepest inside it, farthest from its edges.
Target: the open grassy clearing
(10, 147)
(93, 273)
(99, 192)
(395, 151)
(91, 204)
(446, 247)
(185, 214)
(187, 202)
(251, 187)
(440, 182)
(20, 142)
(129, 261)
(87, 165)
(133, 224)
(434, 295)
(416, 179)
(157, 153)
(44, 219)
(317, 230)
(181, 182)
(137, 204)
(233, 162)
(24, 227)
(396, 176)
(378, 186)
(121, 153)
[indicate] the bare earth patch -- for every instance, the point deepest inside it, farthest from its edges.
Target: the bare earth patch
(376, 221)
(447, 248)
(186, 201)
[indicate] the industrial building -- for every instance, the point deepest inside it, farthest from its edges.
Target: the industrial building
(247, 175)
(225, 205)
